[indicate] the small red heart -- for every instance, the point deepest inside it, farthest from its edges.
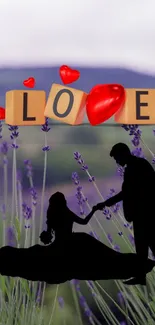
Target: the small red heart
(68, 75)
(103, 101)
(2, 113)
(30, 82)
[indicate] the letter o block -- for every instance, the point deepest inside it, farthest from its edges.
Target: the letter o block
(138, 108)
(25, 107)
(66, 105)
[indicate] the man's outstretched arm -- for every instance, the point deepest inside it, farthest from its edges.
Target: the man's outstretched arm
(111, 201)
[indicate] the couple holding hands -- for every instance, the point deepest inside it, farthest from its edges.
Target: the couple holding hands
(137, 195)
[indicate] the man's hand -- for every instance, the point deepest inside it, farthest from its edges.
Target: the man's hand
(100, 206)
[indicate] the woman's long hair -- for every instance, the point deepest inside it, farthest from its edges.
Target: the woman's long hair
(57, 204)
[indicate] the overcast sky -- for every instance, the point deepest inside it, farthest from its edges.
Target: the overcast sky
(78, 32)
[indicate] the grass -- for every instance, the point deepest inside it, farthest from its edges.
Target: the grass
(23, 302)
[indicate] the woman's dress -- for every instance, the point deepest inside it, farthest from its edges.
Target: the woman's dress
(80, 257)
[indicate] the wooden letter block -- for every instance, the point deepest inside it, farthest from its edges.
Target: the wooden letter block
(66, 105)
(25, 107)
(139, 107)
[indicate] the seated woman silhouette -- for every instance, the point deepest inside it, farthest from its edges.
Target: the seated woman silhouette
(60, 220)
(75, 261)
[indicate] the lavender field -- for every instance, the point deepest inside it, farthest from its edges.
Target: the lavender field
(36, 162)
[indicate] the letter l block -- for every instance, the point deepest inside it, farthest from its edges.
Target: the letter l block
(25, 107)
(66, 105)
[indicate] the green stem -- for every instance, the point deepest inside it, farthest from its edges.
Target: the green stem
(146, 146)
(15, 180)
(43, 186)
(54, 305)
(13, 188)
(76, 303)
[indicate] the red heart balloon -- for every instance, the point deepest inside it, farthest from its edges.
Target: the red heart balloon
(68, 75)
(30, 82)
(103, 101)
(2, 113)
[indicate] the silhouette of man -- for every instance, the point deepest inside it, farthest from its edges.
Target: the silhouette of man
(138, 199)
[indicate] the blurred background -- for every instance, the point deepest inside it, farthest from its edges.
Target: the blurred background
(108, 42)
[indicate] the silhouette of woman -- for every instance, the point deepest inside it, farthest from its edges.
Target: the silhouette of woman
(60, 220)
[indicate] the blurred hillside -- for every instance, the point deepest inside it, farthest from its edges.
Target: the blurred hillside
(93, 143)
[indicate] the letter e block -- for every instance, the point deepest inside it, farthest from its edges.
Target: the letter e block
(139, 107)
(25, 107)
(66, 105)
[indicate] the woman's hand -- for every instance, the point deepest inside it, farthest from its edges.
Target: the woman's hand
(99, 206)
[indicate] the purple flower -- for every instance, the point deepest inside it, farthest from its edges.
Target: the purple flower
(153, 160)
(38, 295)
(81, 199)
(33, 195)
(125, 127)
(28, 167)
(135, 132)
(126, 225)
(75, 178)
(109, 238)
(14, 146)
(121, 297)
(135, 141)
(27, 211)
(106, 212)
(46, 148)
(116, 207)
(112, 191)
(85, 306)
(131, 238)
(120, 171)
(120, 233)
(45, 127)
(61, 302)
(91, 284)
(78, 158)
(4, 148)
(116, 248)
(10, 236)
(19, 175)
(14, 132)
(79, 195)
(76, 283)
(5, 160)
(91, 179)
(138, 152)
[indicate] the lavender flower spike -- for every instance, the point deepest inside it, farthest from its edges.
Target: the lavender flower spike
(4, 148)
(75, 178)
(45, 148)
(61, 302)
(45, 127)
(34, 196)
(14, 132)
(78, 158)
(28, 167)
